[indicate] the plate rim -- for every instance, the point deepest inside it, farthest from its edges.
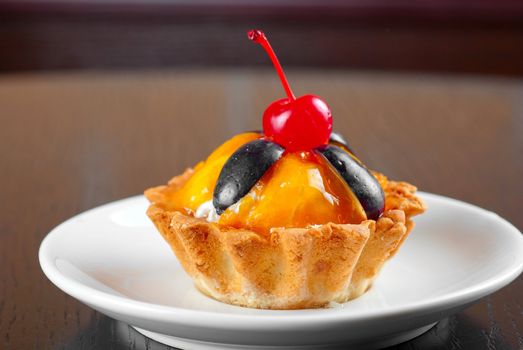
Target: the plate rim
(200, 318)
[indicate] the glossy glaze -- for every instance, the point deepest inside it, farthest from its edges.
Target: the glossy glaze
(299, 190)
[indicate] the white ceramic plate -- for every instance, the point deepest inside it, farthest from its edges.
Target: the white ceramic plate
(112, 259)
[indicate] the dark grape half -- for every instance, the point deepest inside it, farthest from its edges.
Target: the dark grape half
(364, 185)
(338, 139)
(242, 170)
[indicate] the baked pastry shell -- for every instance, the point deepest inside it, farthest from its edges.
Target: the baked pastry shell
(291, 268)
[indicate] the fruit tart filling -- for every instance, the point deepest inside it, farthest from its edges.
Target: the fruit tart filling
(297, 173)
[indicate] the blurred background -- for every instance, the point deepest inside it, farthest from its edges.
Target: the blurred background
(436, 82)
(467, 36)
(102, 99)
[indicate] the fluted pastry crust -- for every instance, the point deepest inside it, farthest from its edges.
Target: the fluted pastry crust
(292, 268)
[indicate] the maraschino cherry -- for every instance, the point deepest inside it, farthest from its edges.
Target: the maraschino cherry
(298, 124)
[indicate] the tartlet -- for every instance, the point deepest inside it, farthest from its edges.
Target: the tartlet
(292, 268)
(287, 218)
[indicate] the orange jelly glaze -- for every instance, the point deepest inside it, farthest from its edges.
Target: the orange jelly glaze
(299, 190)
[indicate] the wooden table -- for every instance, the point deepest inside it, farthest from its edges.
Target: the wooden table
(70, 142)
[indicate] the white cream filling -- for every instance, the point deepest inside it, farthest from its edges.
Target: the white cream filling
(206, 210)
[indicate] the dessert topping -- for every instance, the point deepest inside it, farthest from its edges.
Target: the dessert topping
(298, 173)
(298, 124)
(299, 190)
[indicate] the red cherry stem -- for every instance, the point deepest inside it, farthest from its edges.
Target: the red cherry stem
(259, 37)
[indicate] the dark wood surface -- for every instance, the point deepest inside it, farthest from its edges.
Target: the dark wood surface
(69, 142)
(479, 36)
